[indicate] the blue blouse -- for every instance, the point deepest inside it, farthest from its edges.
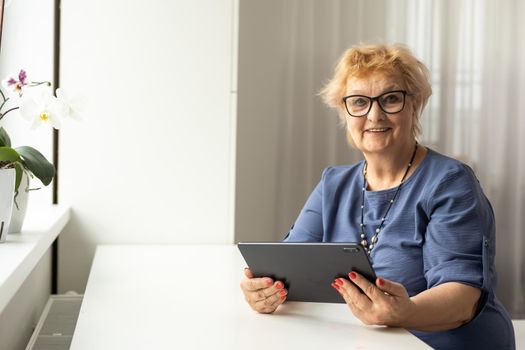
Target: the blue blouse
(440, 229)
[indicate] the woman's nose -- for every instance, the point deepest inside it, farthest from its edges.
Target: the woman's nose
(376, 113)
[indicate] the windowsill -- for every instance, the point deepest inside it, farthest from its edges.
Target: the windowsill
(22, 251)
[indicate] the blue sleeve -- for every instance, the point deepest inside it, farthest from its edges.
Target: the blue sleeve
(309, 225)
(460, 218)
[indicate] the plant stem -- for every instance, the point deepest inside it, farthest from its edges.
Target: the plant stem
(2, 105)
(36, 83)
(9, 110)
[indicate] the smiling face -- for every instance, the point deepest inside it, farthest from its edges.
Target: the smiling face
(379, 132)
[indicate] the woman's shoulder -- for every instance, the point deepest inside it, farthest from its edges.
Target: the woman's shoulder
(341, 181)
(340, 173)
(441, 165)
(444, 171)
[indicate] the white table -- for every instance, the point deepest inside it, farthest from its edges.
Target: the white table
(188, 297)
(519, 331)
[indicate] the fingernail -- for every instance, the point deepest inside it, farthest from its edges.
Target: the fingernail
(269, 282)
(352, 275)
(336, 286)
(283, 298)
(283, 292)
(339, 281)
(279, 285)
(380, 281)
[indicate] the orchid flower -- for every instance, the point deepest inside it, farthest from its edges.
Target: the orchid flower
(16, 86)
(35, 102)
(71, 106)
(42, 107)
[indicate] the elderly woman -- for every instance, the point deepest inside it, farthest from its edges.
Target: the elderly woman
(422, 217)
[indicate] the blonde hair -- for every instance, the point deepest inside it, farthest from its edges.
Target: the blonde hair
(362, 60)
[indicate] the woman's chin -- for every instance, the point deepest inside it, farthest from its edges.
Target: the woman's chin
(375, 146)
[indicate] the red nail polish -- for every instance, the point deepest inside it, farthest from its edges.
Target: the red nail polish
(380, 281)
(339, 281)
(269, 282)
(282, 293)
(283, 298)
(352, 275)
(336, 286)
(279, 285)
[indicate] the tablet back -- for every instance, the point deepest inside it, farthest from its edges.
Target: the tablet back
(307, 269)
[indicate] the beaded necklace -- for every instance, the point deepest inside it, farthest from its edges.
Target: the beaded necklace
(373, 241)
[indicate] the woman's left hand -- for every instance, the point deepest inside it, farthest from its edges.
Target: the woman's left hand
(385, 303)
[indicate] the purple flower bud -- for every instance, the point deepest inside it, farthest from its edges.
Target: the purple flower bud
(22, 76)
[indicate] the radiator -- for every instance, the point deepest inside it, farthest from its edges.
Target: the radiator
(55, 328)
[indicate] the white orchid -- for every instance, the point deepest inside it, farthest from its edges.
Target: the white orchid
(35, 102)
(71, 105)
(41, 107)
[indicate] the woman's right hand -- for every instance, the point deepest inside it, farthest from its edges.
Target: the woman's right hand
(263, 294)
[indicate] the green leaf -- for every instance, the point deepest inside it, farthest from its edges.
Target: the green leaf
(19, 172)
(35, 162)
(5, 141)
(9, 155)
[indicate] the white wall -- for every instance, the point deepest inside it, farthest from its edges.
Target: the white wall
(152, 161)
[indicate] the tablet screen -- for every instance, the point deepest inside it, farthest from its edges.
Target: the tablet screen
(307, 269)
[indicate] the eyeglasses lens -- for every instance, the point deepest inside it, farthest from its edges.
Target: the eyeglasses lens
(390, 102)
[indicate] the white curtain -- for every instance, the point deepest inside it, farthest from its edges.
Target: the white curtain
(475, 50)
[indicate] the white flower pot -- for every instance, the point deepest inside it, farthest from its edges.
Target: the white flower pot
(19, 213)
(7, 190)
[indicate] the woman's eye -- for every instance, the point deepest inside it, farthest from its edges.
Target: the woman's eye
(359, 102)
(391, 99)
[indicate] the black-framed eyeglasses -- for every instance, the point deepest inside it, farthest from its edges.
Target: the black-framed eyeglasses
(390, 102)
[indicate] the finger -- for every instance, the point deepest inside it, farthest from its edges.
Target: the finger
(370, 290)
(276, 288)
(352, 295)
(391, 287)
(265, 293)
(248, 273)
(254, 284)
(337, 286)
(270, 303)
(360, 306)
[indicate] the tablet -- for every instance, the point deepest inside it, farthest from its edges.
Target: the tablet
(307, 269)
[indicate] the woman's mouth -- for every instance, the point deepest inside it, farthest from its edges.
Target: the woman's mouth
(377, 130)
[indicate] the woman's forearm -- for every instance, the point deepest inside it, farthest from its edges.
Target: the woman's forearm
(444, 307)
